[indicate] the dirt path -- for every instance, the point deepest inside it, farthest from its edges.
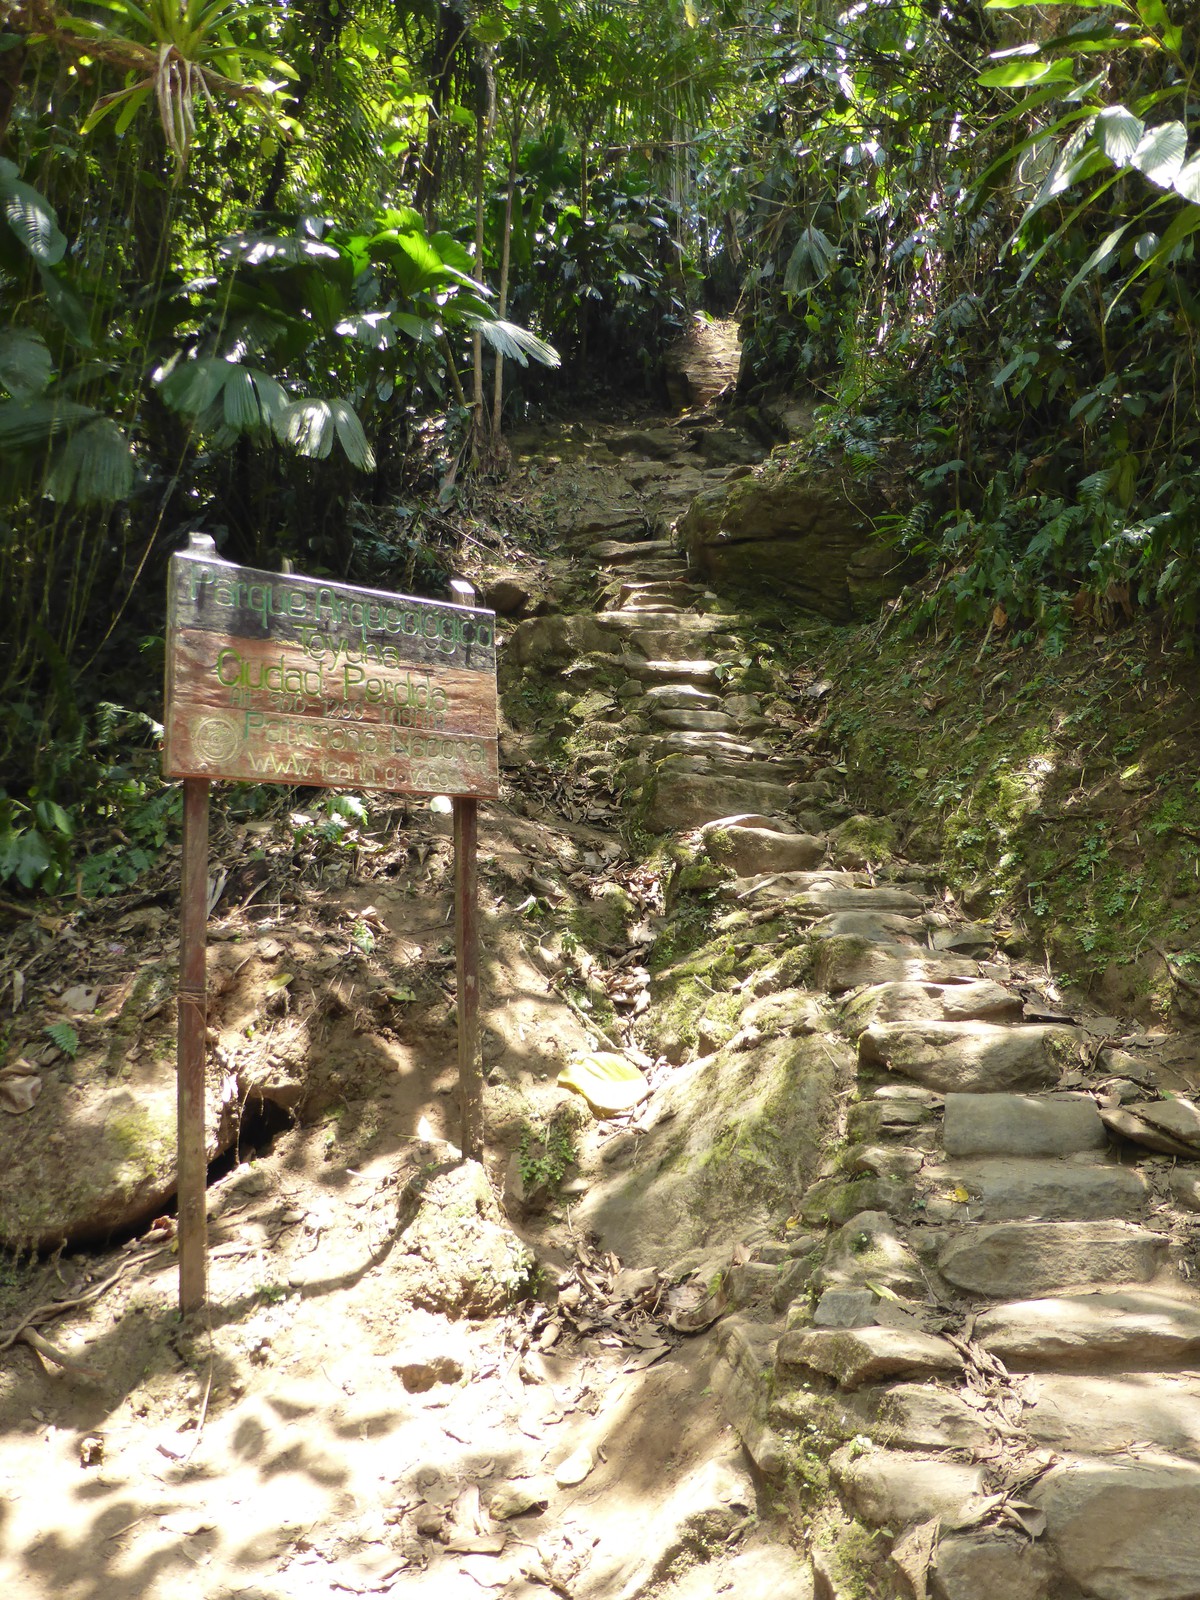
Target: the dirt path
(356, 1417)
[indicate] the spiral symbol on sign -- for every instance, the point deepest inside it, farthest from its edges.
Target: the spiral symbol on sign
(216, 739)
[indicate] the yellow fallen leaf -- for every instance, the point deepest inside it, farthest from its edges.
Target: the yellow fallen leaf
(608, 1082)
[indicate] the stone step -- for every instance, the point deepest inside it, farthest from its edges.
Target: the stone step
(853, 1357)
(715, 764)
(679, 697)
(1021, 1125)
(1131, 1328)
(1124, 1530)
(752, 850)
(1113, 1413)
(978, 1001)
(660, 745)
(846, 961)
(684, 800)
(620, 552)
(874, 928)
(1021, 1188)
(669, 621)
(821, 901)
(686, 721)
(890, 1488)
(699, 672)
(1004, 1259)
(971, 1056)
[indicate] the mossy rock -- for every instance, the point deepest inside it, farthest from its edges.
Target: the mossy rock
(862, 839)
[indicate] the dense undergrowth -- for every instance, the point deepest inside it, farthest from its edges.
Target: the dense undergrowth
(273, 272)
(1057, 793)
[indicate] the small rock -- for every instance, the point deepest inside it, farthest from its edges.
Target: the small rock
(845, 1308)
(575, 1468)
(425, 1372)
(857, 1356)
(992, 1565)
(515, 1498)
(893, 1488)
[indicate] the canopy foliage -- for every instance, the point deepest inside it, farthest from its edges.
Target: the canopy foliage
(262, 268)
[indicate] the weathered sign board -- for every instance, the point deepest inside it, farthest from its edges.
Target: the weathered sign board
(284, 679)
(276, 678)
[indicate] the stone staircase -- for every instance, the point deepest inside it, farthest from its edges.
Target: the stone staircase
(970, 1359)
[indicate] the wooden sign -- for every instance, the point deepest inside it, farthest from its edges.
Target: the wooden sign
(281, 679)
(284, 679)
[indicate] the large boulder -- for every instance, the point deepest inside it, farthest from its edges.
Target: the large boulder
(798, 534)
(738, 1135)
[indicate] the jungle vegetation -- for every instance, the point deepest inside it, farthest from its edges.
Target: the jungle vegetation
(288, 273)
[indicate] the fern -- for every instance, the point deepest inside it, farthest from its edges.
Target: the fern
(65, 1037)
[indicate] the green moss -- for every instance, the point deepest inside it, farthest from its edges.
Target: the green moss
(145, 1142)
(603, 923)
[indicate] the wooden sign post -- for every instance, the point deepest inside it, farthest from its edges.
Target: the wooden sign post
(286, 679)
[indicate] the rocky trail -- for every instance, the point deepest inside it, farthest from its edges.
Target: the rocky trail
(878, 1282)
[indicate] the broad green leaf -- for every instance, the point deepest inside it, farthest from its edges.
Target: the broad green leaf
(1018, 74)
(307, 425)
(1161, 152)
(36, 422)
(414, 262)
(23, 856)
(1154, 14)
(67, 306)
(31, 217)
(1020, 5)
(351, 436)
(1187, 181)
(310, 427)
(1098, 257)
(240, 400)
(514, 342)
(193, 386)
(93, 467)
(810, 262)
(1119, 133)
(26, 365)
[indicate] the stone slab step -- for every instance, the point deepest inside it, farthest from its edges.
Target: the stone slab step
(714, 764)
(1124, 1530)
(1131, 1328)
(890, 1488)
(846, 961)
(970, 1056)
(753, 850)
(660, 745)
(687, 721)
(696, 671)
(853, 1357)
(1022, 1188)
(822, 900)
(888, 928)
(684, 800)
(1112, 1413)
(978, 1001)
(679, 697)
(1021, 1125)
(1008, 1258)
(674, 621)
(620, 552)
